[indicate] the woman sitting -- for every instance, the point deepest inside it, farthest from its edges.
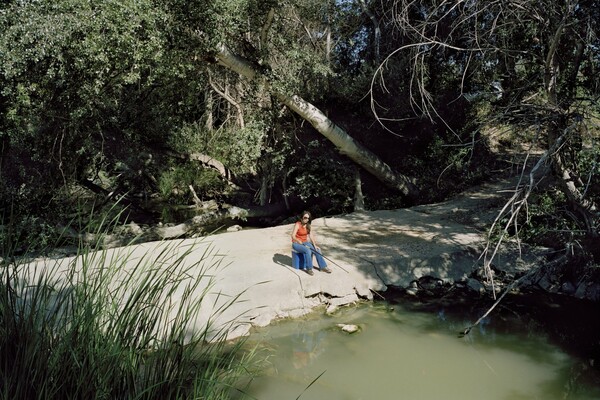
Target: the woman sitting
(303, 242)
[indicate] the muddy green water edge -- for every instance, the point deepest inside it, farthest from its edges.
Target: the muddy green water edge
(530, 347)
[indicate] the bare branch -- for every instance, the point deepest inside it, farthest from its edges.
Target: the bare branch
(230, 99)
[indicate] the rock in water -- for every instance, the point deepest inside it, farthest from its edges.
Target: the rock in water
(349, 328)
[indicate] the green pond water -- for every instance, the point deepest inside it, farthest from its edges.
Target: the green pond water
(418, 354)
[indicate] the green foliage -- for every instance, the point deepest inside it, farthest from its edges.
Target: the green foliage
(174, 183)
(31, 230)
(325, 183)
(215, 21)
(89, 89)
(237, 148)
(448, 166)
(298, 61)
(588, 166)
(113, 327)
(23, 231)
(68, 69)
(548, 220)
(70, 60)
(300, 72)
(351, 88)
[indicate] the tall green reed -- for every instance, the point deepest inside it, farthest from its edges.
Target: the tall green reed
(115, 324)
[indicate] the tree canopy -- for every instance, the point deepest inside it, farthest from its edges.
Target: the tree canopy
(136, 98)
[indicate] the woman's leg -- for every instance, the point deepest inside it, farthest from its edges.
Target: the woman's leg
(320, 260)
(300, 248)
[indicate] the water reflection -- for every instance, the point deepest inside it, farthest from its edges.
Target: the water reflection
(413, 355)
(306, 347)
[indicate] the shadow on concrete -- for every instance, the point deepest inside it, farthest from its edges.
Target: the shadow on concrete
(443, 240)
(402, 245)
(283, 260)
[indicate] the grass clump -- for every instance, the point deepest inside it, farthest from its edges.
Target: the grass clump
(114, 324)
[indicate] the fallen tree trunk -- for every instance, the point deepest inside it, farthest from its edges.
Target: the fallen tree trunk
(212, 217)
(338, 136)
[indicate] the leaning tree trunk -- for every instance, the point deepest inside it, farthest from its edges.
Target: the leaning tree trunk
(562, 133)
(344, 142)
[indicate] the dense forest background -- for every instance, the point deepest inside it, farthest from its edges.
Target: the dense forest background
(143, 107)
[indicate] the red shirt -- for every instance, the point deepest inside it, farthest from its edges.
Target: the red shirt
(301, 233)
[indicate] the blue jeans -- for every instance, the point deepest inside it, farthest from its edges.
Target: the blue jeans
(307, 249)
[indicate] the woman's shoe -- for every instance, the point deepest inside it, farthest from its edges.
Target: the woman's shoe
(310, 272)
(326, 270)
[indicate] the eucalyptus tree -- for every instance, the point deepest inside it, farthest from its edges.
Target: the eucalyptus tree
(531, 64)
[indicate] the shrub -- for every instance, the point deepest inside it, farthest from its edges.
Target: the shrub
(174, 183)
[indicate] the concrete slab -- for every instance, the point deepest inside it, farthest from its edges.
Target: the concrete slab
(370, 251)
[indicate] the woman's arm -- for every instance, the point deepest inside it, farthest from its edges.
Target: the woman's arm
(294, 231)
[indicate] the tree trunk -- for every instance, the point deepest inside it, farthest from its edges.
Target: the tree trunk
(344, 142)
(376, 29)
(359, 199)
(562, 133)
(208, 101)
(570, 185)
